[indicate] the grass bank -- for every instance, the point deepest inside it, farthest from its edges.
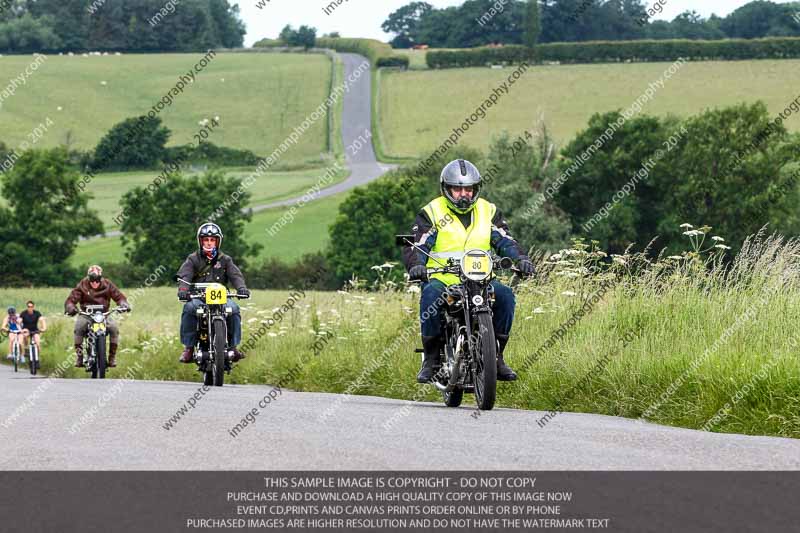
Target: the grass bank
(710, 347)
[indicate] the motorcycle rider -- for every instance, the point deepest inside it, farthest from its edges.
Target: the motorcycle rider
(209, 265)
(457, 221)
(94, 289)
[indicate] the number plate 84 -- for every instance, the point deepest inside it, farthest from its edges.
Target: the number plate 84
(216, 294)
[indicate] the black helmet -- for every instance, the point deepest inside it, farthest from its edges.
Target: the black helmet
(12, 311)
(209, 229)
(95, 273)
(460, 173)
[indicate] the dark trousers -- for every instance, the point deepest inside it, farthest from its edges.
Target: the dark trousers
(189, 323)
(431, 303)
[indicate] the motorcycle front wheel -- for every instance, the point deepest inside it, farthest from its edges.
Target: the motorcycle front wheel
(485, 364)
(218, 368)
(99, 366)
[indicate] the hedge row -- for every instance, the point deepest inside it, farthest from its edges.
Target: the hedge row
(379, 53)
(618, 51)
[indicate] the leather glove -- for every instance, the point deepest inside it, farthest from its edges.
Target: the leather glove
(71, 310)
(243, 291)
(124, 307)
(183, 294)
(525, 266)
(418, 273)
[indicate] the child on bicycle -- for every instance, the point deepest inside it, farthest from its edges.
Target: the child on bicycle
(12, 324)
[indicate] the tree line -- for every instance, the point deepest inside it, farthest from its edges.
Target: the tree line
(483, 22)
(131, 25)
(734, 169)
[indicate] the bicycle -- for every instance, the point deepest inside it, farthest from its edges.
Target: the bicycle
(16, 350)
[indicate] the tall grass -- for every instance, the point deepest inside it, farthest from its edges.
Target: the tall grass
(708, 332)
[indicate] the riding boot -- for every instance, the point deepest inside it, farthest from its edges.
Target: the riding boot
(112, 355)
(188, 355)
(431, 347)
(79, 355)
(504, 372)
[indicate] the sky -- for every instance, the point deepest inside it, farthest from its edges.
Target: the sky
(363, 18)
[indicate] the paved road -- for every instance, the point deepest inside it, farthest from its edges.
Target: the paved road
(356, 121)
(289, 434)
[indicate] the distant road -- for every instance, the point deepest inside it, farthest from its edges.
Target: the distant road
(356, 120)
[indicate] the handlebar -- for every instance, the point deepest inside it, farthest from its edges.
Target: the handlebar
(115, 310)
(202, 294)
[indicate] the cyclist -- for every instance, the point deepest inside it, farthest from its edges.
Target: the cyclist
(31, 322)
(12, 325)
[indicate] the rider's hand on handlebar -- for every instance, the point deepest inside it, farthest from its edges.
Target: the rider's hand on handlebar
(244, 292)
(71, 310)
(525, 266)
(418, 273)
(183, 294)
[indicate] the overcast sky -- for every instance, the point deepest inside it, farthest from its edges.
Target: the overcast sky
(363, 18)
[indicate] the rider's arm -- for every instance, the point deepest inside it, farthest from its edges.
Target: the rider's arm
(187, 272)
(5, 327)
(43, 326)
(117, 295)
(503, 243)
(235, 275)
(424, 237)
(73, 299)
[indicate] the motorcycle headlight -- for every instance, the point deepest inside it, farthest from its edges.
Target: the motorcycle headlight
(476, 265)
(98, 318)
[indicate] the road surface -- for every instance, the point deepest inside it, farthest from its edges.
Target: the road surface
(363, 433)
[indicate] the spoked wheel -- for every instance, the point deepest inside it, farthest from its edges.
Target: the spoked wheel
(33, 359)
(220, 345)
(98, 368)
(486, 364)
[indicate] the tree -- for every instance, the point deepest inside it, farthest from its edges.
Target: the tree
(690, 25)
(758, 19)
(160, 222)
(305, 37)
(133, 143)
(47, 213)
(594, 182)
(533, 23)
(515, 173)
(404, 23)
(727, 174)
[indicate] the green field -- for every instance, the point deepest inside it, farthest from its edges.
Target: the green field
(108, 189)
(308, 233)
(262, 99)
(724, 339)
(419, 109)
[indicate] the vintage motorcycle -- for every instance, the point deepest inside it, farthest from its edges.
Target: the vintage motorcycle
(211, 352)
(469, 348)
(94, 343)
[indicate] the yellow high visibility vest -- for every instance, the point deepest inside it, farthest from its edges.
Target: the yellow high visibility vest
(453, 239)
